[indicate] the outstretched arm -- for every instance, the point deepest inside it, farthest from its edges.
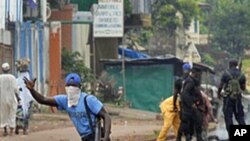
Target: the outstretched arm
(107, 123)
(50, 101)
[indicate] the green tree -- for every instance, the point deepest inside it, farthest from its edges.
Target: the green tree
(168, 15)
(127, 8)
(141, 35)
(208, 59)
(230, 21)
(72, 62)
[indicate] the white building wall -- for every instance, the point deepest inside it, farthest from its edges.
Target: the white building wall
(2, 14)
(80, 35)
(80, 42)
(193, 33)
(13, 8)
(192, 54)
(46, 61)
(141, 6)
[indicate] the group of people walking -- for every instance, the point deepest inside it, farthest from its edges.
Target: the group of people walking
(189, 109)
(15, 102)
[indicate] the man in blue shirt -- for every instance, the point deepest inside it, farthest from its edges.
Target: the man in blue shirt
(73, 104)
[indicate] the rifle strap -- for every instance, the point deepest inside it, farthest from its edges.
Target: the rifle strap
(88, 113)
(232, 77)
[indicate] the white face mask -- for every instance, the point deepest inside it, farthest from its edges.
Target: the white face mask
(73, 94)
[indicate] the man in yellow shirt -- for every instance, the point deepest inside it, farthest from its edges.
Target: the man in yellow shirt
(170, 109)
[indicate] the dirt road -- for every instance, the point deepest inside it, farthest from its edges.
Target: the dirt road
(69, 134)
(127, 125)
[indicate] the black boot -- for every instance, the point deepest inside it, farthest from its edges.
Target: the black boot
(199, 137)
(178, 138)
(188, 138)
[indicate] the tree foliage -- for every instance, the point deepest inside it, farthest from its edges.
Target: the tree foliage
(230, 21)
(168, 15)
(72, 62)
(208, 59)
(127, 8)
(141, 35)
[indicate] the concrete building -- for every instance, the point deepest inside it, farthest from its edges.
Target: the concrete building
(141, 6)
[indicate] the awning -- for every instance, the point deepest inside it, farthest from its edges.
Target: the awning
(132, 54)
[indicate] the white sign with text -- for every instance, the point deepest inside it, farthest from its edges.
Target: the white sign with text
(108, 19)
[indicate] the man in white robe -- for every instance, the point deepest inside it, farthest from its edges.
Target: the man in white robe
(8, 99)
(25, 100)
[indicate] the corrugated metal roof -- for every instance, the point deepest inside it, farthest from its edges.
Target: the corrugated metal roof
(204, 67)
(84, 5)
(149, 61)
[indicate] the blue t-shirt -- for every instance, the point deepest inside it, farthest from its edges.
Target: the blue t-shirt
(78, 114)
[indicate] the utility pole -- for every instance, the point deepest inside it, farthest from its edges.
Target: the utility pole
(43, 12)
(94, 9)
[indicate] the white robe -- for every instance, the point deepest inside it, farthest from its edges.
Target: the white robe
(8, 100)
(24, 93)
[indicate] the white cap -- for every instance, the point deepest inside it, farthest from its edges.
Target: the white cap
(5, 66)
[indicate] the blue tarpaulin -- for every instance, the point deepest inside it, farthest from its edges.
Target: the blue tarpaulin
(132, 54)
(33, 4)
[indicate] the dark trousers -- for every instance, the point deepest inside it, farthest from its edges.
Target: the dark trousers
(191, 123)
(233, 107)
(90, 137)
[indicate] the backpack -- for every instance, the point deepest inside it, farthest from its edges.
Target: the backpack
(233, 89)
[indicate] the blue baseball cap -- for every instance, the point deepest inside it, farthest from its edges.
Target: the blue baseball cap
(186, 66)
(73, 79)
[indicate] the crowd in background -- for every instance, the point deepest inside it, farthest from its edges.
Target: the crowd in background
(189, 110)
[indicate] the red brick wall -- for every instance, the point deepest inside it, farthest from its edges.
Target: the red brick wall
(64, 15)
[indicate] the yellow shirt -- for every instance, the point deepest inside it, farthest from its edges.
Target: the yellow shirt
(168, 104)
